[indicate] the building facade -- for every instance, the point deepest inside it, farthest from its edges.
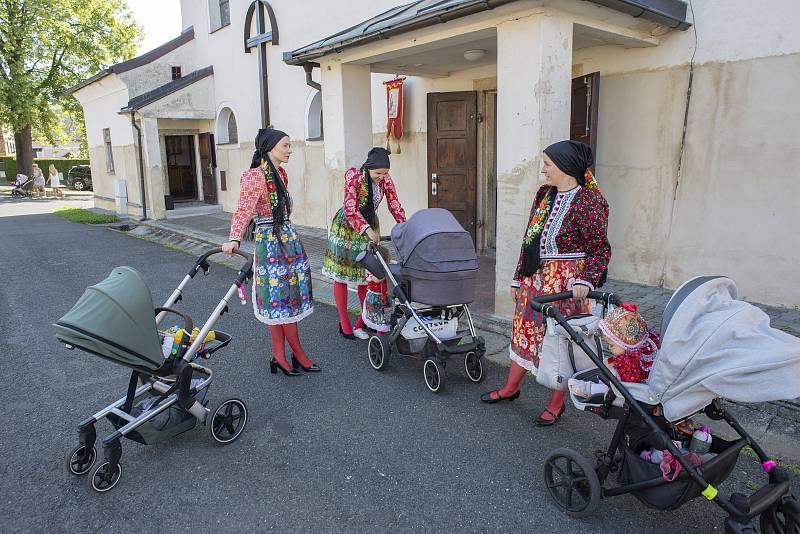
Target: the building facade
(690, 108)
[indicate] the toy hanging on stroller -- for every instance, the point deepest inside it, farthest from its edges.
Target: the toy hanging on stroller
(433, 283)
(116, 320)
(713, 347)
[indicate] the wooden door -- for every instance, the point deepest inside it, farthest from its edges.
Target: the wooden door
(583, 115)
(207, 169)
(452, 155)
(180, 167)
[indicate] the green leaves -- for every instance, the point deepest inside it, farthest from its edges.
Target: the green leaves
(47, 46)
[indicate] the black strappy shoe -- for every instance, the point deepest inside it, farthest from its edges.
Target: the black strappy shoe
(540, 421)
(488, 399)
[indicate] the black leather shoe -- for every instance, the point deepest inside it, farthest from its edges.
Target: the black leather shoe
(487, 397)
(541, 421)
(274, 366)
(314, 368)
(346, 336)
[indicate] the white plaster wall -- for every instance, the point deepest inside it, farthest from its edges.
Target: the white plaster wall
(741, 146)
(159, 72)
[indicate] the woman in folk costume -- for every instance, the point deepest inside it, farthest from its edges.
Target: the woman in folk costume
(565, 248)
(353, 227)
(281, 272)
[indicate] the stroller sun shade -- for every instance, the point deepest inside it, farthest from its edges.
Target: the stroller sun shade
(437, 258)
(715, 346)
(115, 320)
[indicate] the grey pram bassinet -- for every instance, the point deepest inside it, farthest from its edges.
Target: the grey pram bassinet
(437, 257)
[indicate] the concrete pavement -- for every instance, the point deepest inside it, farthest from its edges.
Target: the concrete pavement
(348, 449)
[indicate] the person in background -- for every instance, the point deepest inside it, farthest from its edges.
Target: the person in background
(55, 181)
(38, 181)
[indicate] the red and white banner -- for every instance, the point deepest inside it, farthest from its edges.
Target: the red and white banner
(394, 111)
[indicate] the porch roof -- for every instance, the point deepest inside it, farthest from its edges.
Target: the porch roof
(167, 89)
(424, 13)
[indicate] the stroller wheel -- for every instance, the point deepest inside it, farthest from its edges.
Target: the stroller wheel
(226, 421)
(782, 518)
(102, 478)
(473, 366)
(377, 352)
(572, 482)
(434, 375)
(79, 462)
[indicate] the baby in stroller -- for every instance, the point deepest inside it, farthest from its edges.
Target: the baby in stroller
(715, 348)
(633, 349)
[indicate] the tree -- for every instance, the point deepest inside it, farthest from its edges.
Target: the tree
(47, 46)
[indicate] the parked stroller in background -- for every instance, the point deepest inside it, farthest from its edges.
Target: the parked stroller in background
(23, 187)
(713, 347)
(432, 284)
(116, 320)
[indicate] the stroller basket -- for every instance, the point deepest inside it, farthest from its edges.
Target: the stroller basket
(168, 424)
(683, 489)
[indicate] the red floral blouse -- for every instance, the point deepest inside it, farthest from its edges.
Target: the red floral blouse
(354, 197)
(254, 199)
(577, 227)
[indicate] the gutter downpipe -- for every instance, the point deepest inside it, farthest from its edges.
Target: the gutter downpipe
(141, 165)
(309, 67)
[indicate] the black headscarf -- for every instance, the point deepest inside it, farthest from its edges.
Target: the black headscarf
(377, 158)
(574, 159)
(266, 139)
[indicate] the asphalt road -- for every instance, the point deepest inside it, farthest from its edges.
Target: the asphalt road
(348, 449)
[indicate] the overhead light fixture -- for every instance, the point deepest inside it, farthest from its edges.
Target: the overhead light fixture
(474, 54)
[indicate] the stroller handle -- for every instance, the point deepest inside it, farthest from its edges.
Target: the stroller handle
(202, 263)
(187, 321)
(605, 296)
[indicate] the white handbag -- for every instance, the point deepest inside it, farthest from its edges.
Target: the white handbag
(560, 358)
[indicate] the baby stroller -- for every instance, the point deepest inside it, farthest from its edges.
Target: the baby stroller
(713, 347)
(116, 320)
(432, 284)
(23, 187)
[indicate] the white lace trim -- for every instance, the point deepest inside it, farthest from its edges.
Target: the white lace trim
(561, 205)
(522, 362)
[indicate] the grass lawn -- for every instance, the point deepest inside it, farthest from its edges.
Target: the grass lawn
(79, 215)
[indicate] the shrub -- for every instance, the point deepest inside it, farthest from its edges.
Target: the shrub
(63, 165)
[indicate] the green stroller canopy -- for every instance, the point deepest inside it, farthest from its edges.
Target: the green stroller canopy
(115, 319)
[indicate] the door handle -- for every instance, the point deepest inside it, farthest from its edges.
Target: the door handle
(434, 184)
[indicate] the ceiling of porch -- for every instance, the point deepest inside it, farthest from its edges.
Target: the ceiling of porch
(441, 58)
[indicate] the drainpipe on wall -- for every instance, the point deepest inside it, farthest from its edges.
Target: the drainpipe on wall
(141, 166)
(309, 67)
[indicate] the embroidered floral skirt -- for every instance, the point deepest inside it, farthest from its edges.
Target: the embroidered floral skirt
(528, 328)
(344, 245)
(376, 311)
(281, 276)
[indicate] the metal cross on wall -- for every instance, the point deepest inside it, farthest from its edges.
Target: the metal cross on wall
(261, 41)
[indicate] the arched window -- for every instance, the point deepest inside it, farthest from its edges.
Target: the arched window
(227, 130)
(314, 117)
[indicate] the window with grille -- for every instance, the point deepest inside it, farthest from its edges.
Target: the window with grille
(176, 73)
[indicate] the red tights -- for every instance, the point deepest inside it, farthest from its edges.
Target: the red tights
(340, 296)
(515, 375)
(288, 332)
